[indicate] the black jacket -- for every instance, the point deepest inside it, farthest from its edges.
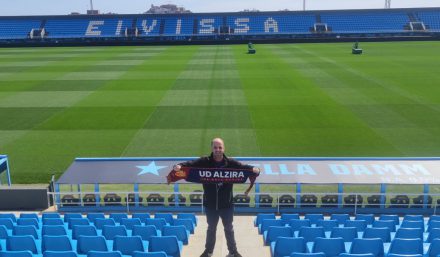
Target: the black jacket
(216, 196)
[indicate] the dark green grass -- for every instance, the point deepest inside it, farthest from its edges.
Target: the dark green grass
(287, 100)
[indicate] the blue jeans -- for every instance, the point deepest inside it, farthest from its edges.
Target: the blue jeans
(212, 217)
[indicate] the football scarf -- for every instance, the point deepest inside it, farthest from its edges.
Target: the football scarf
(213, 175)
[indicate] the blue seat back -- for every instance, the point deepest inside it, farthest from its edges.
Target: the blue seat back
(83, 230)
(332, 247)
(356, 255)
(409, 233)
(413, 224)
(28, 222)
(369, 218)
(434, 248)
(286, 217)
(262, 216)
(25, 230)
(3, 232)
(275, 231)
(406, 246)
(145, 232)
(117, 217)
(100, 223)
(348, 234)
(268, 223)
(128, 244)
(433, 224)
(314, 217)
(7, 222)
(57, 230)
(392, 217)
(110, 232)
(86, 244)
(167, 216)
(104, 254)
(141, 216)
(382, 233)
(51, 215)
(385, 224)
(341, 218)
(295, 254)
(68, 216)
(29, 216)
(360, 225)
(95, 215)
(8, 216)
(75, 221)
(151, 254)
(367, 246)
(130, 223)
(191, 216)
(284, 246)
(433, 234)
(53, 221)
(327, 224)
(188, 223)
(413, 217)
(159, 223)
(311, 233)
(179, 231)
(295, 225)
(167, 244)
(56, 243)
(21, 243)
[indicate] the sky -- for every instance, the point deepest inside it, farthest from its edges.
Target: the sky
(61, 7)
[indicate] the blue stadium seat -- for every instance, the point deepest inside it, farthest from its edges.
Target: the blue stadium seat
(385, 224)
(56, 243)
(68, 216)
(7, 222)
(404, 255)
(8, 216)
(276, 231)
(167, 216)
(262, 216)
(311, 233)
(413, 217)
(348, 234)
(267, 223)
(191, 216)
(3, 232)
(110, 232)
(413, 224)
(179, 231)
(145, 232)
(392, 217)
(367, 246)
(409, 233)
(332, 247)
(117, 217)
(314, 217)
(149, 254)
(25, 230)
(284, 246)
(141, 216)
(83, 230)
(100, 223)
(295, 225)
(60, 254)
(434, 248)
(29, 216)
(341, 218)
(159, 223)
(130, 223)
(435, 233)
(360, 225)
(93, 216)
(369, 218)
(406, 246)
(86, 244)
(16, 254)
(356, 255)
(431, 218)
(53, 221)
(286, 217)
(167, 244)
(53, 230)
(21, 243)
(328, 225)
(28, 222)
(75, 221)
(104, 254)
(188, 223)
(432, 224)
(51, 215)
(128, 244)
(382, 233)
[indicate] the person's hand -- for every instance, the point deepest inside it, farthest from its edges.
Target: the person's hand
(256, 170)
(177, 167)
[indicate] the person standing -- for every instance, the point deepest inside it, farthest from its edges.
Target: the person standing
(217, 198)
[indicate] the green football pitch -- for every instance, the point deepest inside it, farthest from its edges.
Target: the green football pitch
(287, 100)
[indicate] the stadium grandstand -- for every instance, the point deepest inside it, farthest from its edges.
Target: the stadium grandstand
(343, 132)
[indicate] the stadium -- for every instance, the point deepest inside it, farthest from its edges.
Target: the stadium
(337, 110)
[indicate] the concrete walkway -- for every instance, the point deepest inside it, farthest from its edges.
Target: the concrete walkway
(249, 242)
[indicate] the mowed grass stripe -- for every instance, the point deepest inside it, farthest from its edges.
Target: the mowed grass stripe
(394, 108)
